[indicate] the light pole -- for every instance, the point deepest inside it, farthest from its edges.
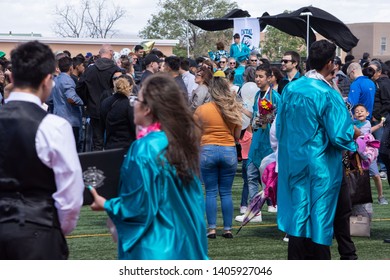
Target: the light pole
(307, 14)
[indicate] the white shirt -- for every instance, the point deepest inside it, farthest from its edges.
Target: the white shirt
(189, 81)
(56, 148)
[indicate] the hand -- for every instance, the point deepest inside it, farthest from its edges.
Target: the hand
(98, 204)
(357, 132)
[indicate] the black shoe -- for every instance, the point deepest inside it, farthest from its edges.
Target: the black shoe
(211, 235)
(227, 235)
(387, 240)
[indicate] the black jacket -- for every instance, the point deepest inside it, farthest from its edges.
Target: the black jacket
(382, 97)
(95, 80)
(118, 121)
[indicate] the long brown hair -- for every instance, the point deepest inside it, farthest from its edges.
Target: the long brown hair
(225, 100)
(168, 106)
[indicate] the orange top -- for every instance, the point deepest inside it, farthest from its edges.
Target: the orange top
(215, 131)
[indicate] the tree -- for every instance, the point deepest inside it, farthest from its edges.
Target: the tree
(277, 42)
(90, 19)
(171, 23)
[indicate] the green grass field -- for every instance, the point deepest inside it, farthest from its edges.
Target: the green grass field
(256, 241)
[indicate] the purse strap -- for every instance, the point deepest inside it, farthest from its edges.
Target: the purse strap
(347, 163)
(358, 163)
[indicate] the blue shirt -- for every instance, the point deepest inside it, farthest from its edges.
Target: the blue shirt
(65, 89)
(362, 91)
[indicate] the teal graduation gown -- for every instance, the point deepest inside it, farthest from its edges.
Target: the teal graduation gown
(313, 126)
(261, 145)
(155, 215)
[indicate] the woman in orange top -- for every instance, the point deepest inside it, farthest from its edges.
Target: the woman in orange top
(221, 121)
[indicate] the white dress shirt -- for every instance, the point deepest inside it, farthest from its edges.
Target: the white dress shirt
(56, 148)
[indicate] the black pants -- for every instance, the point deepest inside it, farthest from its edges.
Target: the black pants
(97, 134)
(31, 242)
(301, 248)
(346, 247)
(76, 133)
(385, 159)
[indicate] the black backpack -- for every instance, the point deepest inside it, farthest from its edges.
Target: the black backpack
(343, 83)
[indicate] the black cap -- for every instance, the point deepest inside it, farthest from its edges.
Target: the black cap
(236, 35)
(152, 58)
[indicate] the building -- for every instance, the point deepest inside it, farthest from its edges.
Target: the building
(373, 38)
(83, 45)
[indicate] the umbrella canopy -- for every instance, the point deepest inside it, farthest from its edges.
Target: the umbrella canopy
(293, 23)
(222, 23)
(325, 24)
(270, 180)
(294, 26)
(254, 208)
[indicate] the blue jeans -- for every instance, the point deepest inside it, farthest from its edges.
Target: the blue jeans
(218, 165)
(245, 192)
(253, 180)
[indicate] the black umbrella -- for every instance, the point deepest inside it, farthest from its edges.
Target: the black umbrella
(321, 21)
(294, 23)
(294, 26)
(222, 23)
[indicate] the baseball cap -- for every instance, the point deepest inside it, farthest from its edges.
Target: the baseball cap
(2, 54)
(88, 54)
(219, 73)
(236, 35)
(152, 58)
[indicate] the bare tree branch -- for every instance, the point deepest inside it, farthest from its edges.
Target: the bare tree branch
(93, 20)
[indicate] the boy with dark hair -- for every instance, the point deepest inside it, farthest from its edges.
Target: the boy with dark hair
(78, 68)
(172, 67)
(41, 185)
(313, 127)
(67, 103)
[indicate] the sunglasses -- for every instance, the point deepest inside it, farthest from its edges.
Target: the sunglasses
(232, 63)
(285, 61)
(253, 60)
(222, 62)
(117, 77)
(133, 99)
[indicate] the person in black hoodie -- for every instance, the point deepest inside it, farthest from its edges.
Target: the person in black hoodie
(95, 80)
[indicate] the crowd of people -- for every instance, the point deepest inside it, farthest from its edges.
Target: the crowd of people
(182, 123)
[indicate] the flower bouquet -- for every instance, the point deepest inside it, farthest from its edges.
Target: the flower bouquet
(266, 113)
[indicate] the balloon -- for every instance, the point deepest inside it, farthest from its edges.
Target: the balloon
(116, 56)
(248, 92)
(245, 121)
(125, 51)
(148, 46)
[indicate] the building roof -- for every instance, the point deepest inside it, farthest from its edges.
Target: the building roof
(85, 41)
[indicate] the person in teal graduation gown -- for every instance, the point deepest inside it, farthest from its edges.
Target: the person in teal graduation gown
(260, 146)
(313, 127)
(159, 211)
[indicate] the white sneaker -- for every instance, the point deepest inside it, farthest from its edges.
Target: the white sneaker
(243, 209)
(256, 219)
(285, 238)
(383, 175)
(272, 209)
(239, 218)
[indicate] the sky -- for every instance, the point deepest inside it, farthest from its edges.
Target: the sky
(37, 16)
